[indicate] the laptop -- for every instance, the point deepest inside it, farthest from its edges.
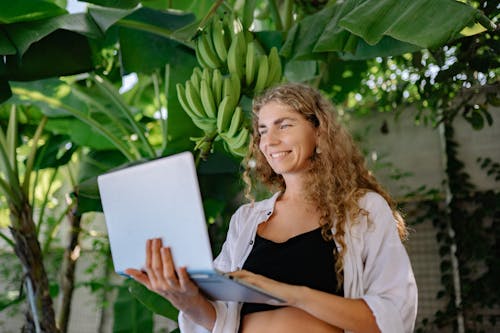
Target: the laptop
(161, 198)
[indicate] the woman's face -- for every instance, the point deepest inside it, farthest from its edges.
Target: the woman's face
(287, 139)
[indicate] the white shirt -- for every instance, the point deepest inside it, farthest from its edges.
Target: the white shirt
(376, 265)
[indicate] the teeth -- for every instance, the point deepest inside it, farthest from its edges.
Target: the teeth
(275, 155)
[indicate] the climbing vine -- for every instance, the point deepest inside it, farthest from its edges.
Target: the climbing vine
(474, 217)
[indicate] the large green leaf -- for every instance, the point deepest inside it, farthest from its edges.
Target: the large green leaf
(56, 151)
(60, 53)
(162, 23)
(91, 165)
(106, 17)
(27, 10)
(92, 127)
(115, 3)
(198, 7)
(154, 302)
(144, 52)
(378, 28)
(6, 46)
(5, 91)
(25, 34)
(425, 23)
(387, 46)
(130, 316)
(80, 133)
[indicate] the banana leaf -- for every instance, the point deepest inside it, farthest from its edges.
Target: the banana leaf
(60, 53)
(24, 34)
(130, 316)
(114, 3)
(56, 151)
(387, 27)
(27, 10)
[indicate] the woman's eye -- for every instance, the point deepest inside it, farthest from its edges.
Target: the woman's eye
(283, 126)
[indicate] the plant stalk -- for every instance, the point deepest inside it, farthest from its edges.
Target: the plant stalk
(67, 278)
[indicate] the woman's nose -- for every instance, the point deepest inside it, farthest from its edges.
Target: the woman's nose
(271, 137)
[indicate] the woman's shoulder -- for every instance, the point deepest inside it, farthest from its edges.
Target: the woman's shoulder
(372, 201)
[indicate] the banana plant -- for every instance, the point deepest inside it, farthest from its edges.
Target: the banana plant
(15, 186)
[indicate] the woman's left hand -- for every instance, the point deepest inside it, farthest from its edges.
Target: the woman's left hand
(286, 292)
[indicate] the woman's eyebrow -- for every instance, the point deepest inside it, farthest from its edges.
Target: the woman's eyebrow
(278, 121)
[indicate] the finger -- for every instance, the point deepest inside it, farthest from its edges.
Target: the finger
(169, 267)
(185, 281)
(156, 260)
(139, 276)
(149, 251)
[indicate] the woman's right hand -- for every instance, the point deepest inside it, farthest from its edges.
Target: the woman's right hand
(161, 276)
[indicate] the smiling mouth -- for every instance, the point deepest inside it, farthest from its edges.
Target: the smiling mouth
(278, 155)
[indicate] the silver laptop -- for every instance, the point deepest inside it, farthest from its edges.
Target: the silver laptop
(161, 198)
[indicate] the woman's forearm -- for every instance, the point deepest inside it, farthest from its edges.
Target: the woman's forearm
(201, 312)
(349, 314)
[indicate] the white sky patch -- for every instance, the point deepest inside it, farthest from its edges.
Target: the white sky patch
(74, 7)
(128, 82)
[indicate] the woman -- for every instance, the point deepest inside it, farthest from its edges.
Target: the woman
(328, 241)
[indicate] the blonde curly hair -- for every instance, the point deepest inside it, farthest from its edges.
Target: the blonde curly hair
(338, 177)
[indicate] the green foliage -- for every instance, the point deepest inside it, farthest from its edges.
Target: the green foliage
(474, 217)
(130, 314)
(332, 46)
(154, 302)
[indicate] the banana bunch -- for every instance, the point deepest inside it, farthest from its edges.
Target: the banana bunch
(224, 44)
(247, 59)
(261, 71)
(211, 101)
(213, 41)
(197, 99)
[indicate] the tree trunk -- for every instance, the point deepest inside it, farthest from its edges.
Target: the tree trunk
(71, 255)
(40, 317)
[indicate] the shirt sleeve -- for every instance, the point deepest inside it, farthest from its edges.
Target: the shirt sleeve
(388, 280)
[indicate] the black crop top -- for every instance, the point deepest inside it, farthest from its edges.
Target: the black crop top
(306, 260)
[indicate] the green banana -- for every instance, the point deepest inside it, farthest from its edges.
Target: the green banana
(225, 113)
(275, 70)
(207, 75)
(205, 124)
(262, 74)
(194, 101)
(232, 87)
(238, 141)
(207, 51)
(201, 60)
(235, 88)
(217, 82)
(235, 122)
(219, 39)
(181, 95)
(242, 151)
(195, 78)
(207, 99)
(237, 55)
(250, 64)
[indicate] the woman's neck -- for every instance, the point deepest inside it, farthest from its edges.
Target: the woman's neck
(294, 189)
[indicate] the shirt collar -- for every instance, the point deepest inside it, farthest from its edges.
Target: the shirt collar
(267, 205)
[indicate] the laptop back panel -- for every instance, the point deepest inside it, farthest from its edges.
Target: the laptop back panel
(146, 200)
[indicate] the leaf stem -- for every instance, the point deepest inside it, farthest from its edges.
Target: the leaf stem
(117, 99)
(31, 157)
(80, 115)
(7, 239)
(273, 5)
